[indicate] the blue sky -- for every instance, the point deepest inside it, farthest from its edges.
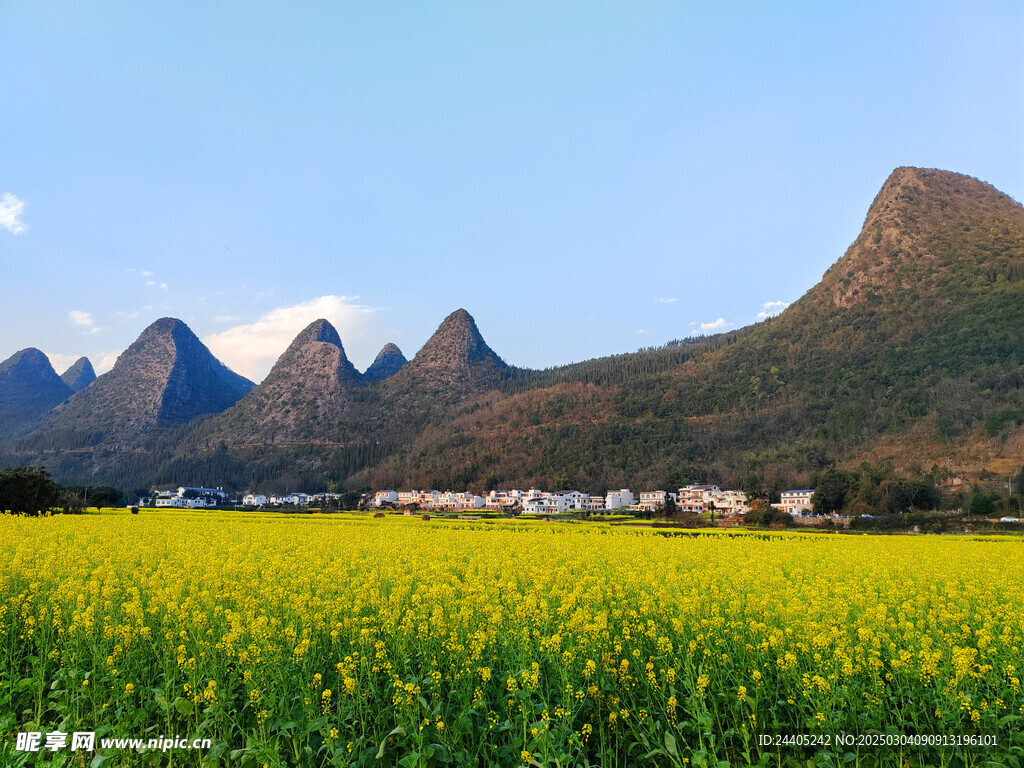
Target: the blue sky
(585, 178)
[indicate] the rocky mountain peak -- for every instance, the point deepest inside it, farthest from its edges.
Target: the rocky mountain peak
(317, 347)
(165, 378)
(457, 344)
(80, 375)
(387, 363)
(29, 387)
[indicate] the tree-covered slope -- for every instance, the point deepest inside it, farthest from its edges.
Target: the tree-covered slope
(917, 330)
(922, 318)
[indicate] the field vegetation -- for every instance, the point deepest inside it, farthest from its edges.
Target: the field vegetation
(347, 640)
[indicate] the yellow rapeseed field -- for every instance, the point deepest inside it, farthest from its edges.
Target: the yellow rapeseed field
(339, 640)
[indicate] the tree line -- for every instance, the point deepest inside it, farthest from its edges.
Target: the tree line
(31, 491)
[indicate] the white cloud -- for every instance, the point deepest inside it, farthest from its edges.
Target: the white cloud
(104, 362)
(771, 308)
(643, 331)
(150, 282)
(663, 300)
(11, 209)
(253, 348)
(77, 317)
(163, 286)
(714, 325)
(61, 363)
(227, 319)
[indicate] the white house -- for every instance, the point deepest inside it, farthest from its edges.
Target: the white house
(796, 502)
(731, 503)
(187, 497)
(619, 499)
(650, 500)
(469, 500)
(533, 494)
(497, 499)
(290, 499)
(384, 497)
(169, 499)
(554, 503)
(254, 500)
(549, 504)
(695, 498)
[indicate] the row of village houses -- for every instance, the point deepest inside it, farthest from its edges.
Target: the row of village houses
(690, 499)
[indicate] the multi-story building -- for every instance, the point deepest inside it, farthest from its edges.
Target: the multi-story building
(619, 499)
(497, 499)
(651, 500)
(189, 497)
(384, 497)
(694, 498)
(796, 502)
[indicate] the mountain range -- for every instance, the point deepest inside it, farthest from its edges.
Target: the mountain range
(910, 348)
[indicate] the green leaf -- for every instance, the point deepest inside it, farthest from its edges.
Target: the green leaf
(441, 753)
(410, 761)
(670, 743)
(184, 706)
(397, 731)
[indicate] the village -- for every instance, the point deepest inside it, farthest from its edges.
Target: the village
(690, 499)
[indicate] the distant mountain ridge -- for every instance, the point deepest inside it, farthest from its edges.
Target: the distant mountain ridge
(919, 326)
(166, 378)
(29, 388)
(302, 398)
(80, 375)
(388, 362)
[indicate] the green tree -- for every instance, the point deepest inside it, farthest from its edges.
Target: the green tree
(981, 504)
(28, 491)
(903, 495)
(98, 495)
(351, 500)
(830, 493)
(669, 509)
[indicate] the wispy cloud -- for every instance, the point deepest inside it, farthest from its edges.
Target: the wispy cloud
(252, 348)
(771, 308)
(101, 363)
(61, 363)
(11, 209)
(714, 325)
(84, 321)
(227, 319)
(665, 300)
(105, 361)
(77, 317)
(643, 332)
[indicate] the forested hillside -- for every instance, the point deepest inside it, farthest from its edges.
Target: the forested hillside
(915, 336)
